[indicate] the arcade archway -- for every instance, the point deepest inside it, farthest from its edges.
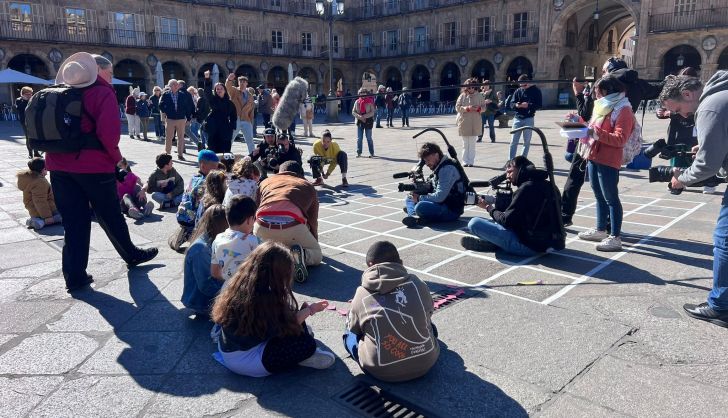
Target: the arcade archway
(680, 57)
(450, 76)
(421, 80)
(393, 78)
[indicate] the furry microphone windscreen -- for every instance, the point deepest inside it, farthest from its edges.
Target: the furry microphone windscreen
(296, 91)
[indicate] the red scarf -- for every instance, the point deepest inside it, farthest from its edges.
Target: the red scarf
(363, 101)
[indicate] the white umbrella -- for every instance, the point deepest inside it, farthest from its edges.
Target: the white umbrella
(215, 75)
(159, 74)
(9, 76)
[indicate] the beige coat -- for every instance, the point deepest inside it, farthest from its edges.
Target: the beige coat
(244, 110)
(469, 123)
(37, 195)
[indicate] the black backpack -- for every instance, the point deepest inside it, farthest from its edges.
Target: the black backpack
(53, 121)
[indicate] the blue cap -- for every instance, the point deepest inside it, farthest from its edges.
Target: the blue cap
(207, 155)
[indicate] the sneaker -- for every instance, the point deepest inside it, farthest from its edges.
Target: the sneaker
(704, 312)
(371, 156)
(148, 208)
(492, 139)
(131, 136)
(134, 213)
(475, 244)
(299, 255)
(593, 235)
(143, 255)
(344, 182)
(181, 157)
(319, 360)
(80, 286)
(319, 181)
(35, 223)
(610, 243)
(708, 189)
(413, 222)
(358, 155)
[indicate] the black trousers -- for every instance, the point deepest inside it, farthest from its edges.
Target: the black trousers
(284, 353)
(73, 193)
(341, 159)
(570, 196)
(219, 140)
(266, 119)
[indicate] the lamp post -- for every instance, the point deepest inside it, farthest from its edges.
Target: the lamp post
(329, 10)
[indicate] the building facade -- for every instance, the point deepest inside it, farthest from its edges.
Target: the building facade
(404, 43)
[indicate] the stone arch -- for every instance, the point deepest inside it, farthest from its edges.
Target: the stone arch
(208, 67)
(483, 70)
(250, 72)
(518, 66)
(132, 71)
(450, 76)
(393, 78)
(278, 78)
(558, 27)
(723, 60)
(173, 69)
(680, 57)
(421, 80)
(338, 75)
(30, 64)
(369, 80)
(310, 75)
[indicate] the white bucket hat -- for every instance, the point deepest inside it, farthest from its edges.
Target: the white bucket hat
(78, 70)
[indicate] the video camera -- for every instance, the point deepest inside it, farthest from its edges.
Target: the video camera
(419, 184)
(317, 163)
(681, 157)
(502, 197)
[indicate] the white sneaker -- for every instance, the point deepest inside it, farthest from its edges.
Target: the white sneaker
(134, 213)
(708, 189)
(148, 208)
(593, 235)
(319, 360)
(610, 243)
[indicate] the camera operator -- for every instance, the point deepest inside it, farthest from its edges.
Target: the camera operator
(260, 152)
(286, 152)
(447, 200)
(685, 95)
(327, 148)
(529, 225)
(288, 212)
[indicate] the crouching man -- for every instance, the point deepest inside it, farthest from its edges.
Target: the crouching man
(389, 330)
(530, 225)
(327, 150)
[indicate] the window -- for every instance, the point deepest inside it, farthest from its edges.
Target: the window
(420, 37)
(520, 25)
(277, 39)
(275, 3)
(245, 32)
(306, 42)
(482, 29)
(124, 25)
(451, 33)
(209, 29)
(367, 45)
(76, 21)
(684, 7)
(21, 17)
(392, 40)
(336, 44)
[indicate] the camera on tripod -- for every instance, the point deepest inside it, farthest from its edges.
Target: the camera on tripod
(418, 183)
(502, 197)
(680, 157)
(317, 163)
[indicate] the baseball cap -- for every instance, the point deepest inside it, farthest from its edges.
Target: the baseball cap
(261, 87)
(207, 155)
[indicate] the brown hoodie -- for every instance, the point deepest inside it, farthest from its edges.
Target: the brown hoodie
(392, 312)
(37, 195)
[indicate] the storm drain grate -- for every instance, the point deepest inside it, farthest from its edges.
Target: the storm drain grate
(449, 296)
(372, 401)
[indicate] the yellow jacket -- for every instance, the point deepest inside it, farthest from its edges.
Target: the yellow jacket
(331, 154)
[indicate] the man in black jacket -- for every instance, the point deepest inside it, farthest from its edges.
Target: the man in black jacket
(529, 225)
(288, 152)
(177, 104)
(526, 101)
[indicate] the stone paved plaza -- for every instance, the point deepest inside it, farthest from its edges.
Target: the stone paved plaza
(604, 335)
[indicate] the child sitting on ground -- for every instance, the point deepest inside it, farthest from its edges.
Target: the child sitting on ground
(131, 196)
(37, 195)
(390, 331)
(232, 247)
(215, 186)
(244, 181)
(262, 328)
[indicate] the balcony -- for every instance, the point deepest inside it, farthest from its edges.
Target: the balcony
(395, 7)
(296, 7)
(698, 19)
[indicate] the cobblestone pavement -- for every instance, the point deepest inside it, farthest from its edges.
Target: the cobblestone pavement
(604, 335)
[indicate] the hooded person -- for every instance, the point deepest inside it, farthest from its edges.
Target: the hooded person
(686, 95)
(389, 328)
(529, 225)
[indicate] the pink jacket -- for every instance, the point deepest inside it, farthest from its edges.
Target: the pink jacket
(101, 116)
(126, 186)
(607, 149)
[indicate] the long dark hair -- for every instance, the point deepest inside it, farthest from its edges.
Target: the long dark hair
(215, 187)
(258, 300)
(213, 222)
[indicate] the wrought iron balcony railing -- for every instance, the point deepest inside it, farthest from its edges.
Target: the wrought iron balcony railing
(696, 19)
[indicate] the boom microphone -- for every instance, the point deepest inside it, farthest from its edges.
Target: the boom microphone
(295, 93)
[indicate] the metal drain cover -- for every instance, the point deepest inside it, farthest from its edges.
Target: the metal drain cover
(371, 401)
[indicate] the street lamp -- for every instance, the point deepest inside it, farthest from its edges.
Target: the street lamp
(680, 60)
(329, 10)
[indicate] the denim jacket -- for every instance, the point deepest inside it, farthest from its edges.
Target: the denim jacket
(187, 211)
(200, 288)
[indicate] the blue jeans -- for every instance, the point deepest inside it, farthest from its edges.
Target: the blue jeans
(193, 131)
(351, 344)
(518, 123)
(405, 115)
(718, 297)
(158, 125)
(430, 211)
(247, 129)
(379, 115)
(360, 137)
(495, 233)
(604, 181)
(490, 119)
(161, 198)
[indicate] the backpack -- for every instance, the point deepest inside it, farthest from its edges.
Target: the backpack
(53, 121)
(633, 146)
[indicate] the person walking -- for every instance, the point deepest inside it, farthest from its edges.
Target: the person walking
(490, 107)
(468, 107)
(85, 179)
(363, 112)
(221, 121)
(173, 104)
(20, 104)
(405, 102)
(526, 101)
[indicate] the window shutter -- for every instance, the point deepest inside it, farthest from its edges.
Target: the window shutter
(90, 17)
(36, 13)
(157, 24)
(181, 26)
(473, 27)
(112, 21)
(138, 22)
(384, 43)
(411, 41)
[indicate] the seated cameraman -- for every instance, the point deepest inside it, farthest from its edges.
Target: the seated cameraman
(260, 152)
(529, 225)
(288, 212)
(286, 151)
(327, 151)
(447, 200)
